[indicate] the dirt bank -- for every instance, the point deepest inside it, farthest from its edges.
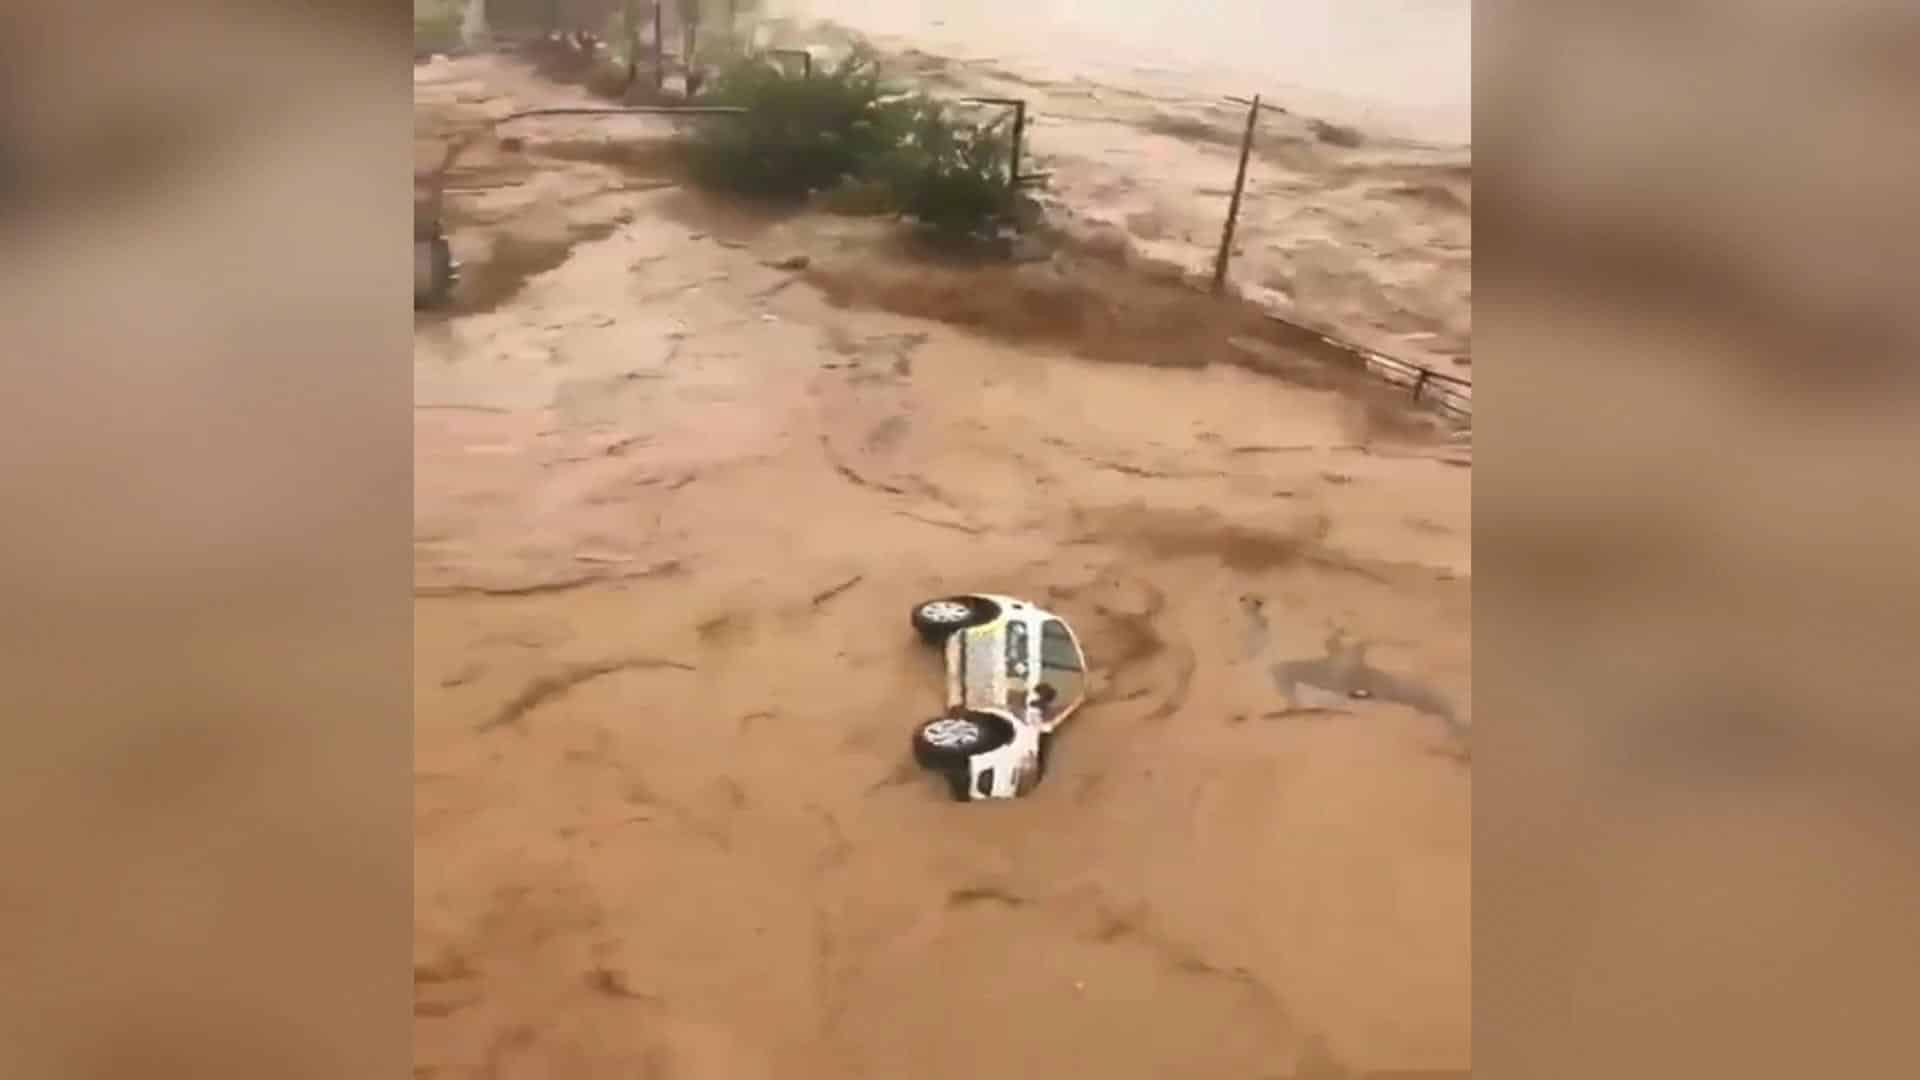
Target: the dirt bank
(672, 505)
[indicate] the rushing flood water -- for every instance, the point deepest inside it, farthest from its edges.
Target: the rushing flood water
(672, 504)
(1397, 66)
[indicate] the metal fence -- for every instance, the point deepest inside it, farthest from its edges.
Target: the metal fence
(1448, 393)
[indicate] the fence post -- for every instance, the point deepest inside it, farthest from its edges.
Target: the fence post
(1019, 107)
(1019, 136)
(1233, 208)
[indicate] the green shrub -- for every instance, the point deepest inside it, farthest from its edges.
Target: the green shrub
(799, 135)
(844, 127)
(947, 173)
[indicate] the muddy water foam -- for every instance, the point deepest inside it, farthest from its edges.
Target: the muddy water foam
(1399, 67)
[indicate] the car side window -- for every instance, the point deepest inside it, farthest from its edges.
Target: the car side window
(1057, 650)
(1062, 683)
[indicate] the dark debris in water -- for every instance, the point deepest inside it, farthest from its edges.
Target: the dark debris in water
(1344, 673)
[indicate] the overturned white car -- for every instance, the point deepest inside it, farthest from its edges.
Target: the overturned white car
(1015, 672)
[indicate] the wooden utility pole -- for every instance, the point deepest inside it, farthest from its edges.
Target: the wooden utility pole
(659, 47)
(1233, 208)
(630, 29)
(690, 37)
(473, 24)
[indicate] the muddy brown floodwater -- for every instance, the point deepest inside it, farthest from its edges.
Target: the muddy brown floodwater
(673, 504)
(1362, 229)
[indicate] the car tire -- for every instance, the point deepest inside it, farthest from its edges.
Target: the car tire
(957, 783)
(949, 741)
(938, 620)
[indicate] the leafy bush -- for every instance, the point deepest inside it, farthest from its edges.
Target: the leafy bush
(947, 173)
(844, 127)
(799, 135)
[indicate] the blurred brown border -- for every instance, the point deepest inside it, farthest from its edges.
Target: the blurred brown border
(1695, 521)
(208, 643)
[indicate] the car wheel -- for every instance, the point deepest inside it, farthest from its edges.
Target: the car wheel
(947, 741)
(937, 620)
(958, 783)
